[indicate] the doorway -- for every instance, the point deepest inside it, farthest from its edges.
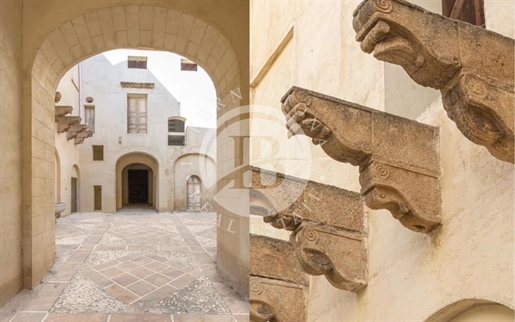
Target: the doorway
(194, 193)
(97, 197)
(138, 186)
(74, 195)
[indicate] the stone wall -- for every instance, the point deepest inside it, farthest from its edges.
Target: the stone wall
(11, 278)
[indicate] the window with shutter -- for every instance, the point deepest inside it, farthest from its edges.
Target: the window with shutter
(139, 62)
(89, 115)
(136, 113)
(176, 134)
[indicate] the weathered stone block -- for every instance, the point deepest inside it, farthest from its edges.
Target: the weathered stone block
(473, 67)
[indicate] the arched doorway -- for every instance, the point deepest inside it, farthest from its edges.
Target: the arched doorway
(194, 193)
(468, 310)
(210, 33)
(137, 186)
(137, 176)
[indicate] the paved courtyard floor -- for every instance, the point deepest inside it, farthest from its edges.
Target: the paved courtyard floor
(131, 267)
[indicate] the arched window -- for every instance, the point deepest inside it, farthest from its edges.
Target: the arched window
(176, 132)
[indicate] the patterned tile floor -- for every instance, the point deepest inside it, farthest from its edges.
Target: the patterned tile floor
(131, 267)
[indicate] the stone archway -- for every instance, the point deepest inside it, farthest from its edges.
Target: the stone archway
(473, 310)
(83, 29)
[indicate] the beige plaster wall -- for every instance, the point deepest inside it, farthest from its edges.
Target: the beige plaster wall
(471, 254)
(492, 312)
(67, 151)
(11, 278)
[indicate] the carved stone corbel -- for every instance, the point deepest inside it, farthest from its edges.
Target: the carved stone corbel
(329, 225)
(81, 136)
(398, 158)
(472, 67)
(278, 286)
(65, 122)
(75, 129)
(61, 111)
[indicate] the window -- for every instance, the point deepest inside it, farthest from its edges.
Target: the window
(89, 115)
(136, 113)
(137, 62)
(98, 153)
(471, 11)
(188, 65)
(176, 135)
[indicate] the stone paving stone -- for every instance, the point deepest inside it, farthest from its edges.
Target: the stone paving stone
(155, 297)
(156, 266)
(97, 278)
(140, 318)
(77, 317)
(183, 280)
(121, 293)
(66, 272)
(45, 298)
(125, 279)
(79, 256)
(106, 265)
(197, 249)
(157, 279)
(141, 288)
(242, 317)
(127, 266)
(141, 272)
(111, 272)
(29, 317)
(202, 318)
(172, 273)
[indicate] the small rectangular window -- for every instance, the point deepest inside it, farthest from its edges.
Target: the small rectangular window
(89, 115)
(176, 140)
(188, 65)
(137, 62)
(98, 153)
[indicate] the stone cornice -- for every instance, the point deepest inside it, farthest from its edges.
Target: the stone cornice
(62, 111)
(137, 85)
(278, 286)
(329, 226)
(398, 158)
(75, 129)
(472, 67)
(64, 123)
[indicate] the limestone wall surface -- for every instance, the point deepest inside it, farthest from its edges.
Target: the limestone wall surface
(11, 278)
(412, 275)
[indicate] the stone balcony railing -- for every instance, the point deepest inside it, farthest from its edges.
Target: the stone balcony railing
(472, 67)
(278, 286)
(398, 159)
(329, 225)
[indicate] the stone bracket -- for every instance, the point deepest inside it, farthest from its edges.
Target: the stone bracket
(275, 300)
(82, 135)
(329, 226)
(398, 158)
(474, 68)
(64, 123)
(61, 111)
(278, 286)
(74, 130)
(339, 255)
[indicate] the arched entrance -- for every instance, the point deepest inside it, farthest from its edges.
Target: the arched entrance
(59, 35)
(473, 310)
(194, 193)
(137, 176)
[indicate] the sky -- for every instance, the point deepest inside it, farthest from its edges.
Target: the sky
(194, 90)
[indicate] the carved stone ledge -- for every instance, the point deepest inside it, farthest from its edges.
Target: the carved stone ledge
(61, 111)
(75, 129)
(329, 226)
(398, 158)
(473, 67)
(82, 135)
(278, 286)
(65, 122)
(290, 201)
(137, 85)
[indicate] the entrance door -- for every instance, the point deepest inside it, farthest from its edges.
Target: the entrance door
(98, 197)
(74, 195)
(194, 191)
(138, 186)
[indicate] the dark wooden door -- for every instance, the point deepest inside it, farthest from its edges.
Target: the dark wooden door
(98, 197)
(74, 195)
(138, 186)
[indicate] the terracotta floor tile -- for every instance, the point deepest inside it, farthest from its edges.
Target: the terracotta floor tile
(172, 272)
(156, 266)
(111, 272)
(157, 279)
(202, 318)
(141, 288)
(79, 317)
(183, 280)
(140, 318)
(97, 277)
(142, 272)
(29, 317)
(121, 293)
(125, 279)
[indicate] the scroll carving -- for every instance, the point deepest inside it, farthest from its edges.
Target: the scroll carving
(472, 67)
(328, 224)
(398, 158)
(278, 286)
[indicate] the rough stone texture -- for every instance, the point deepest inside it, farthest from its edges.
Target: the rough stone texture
(65, 122)
(398, 158)
(473, 67)
(278, 286)
(274, 300)
(274, 193)
(61, 110)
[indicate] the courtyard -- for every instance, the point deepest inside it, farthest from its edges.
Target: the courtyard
(131, 267)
